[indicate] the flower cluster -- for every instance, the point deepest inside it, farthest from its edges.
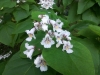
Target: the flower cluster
(6, 55)
(62, 38)
(46, 3)
(18, 1)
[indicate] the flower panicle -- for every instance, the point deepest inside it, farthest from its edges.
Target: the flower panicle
(62, 38)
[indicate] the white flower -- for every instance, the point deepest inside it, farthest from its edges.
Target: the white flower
(45, 19)
(47, 41)
(66, 34)
(29, 51)
(44, 22)
(46, 3)
(67, 46)
(51, 33)
(57, 25)
(40, 62)
(44, 27)
(58, 37)
(37, 25)
(30, 34)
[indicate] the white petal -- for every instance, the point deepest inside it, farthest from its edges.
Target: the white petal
(45, 19)
(64, 42)
(44, 68)
(69, 51)
(58, 44)
(37, 60)
(69, 38)
(34, 37)
(29, 53)
(44, 27)
(27, 31)
(52, 22)
(32, 30)
(26, 45)
(29, 39)
(47, 46)
(38, 65)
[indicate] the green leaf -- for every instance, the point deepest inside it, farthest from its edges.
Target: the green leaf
(83, 5)
(36, 42)
(66, 3)
(90, 16)
(94, 52)
(35, 14)
(7, 3)
(20, 14)
(6, 33)
(78, 63)
(19, 66)
(98, 1)
(2, 66)
(95, 29)
(25, 6)
(21, 27)
(80, 25)
(72, 16)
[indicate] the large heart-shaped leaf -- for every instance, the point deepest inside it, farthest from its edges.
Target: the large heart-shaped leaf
(19, 66)
(94, 51)
(78, 63)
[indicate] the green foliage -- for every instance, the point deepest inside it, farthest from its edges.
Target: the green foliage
(89, 15)
(66, 3)
(2, 66)
(22, 26)
(80, 17)
(20, 14)
(7, 3)
(6, 33)
(23, 67)
(73, 16)
(70, 63)
(95, 29)
(98, 1)
(83, 5)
